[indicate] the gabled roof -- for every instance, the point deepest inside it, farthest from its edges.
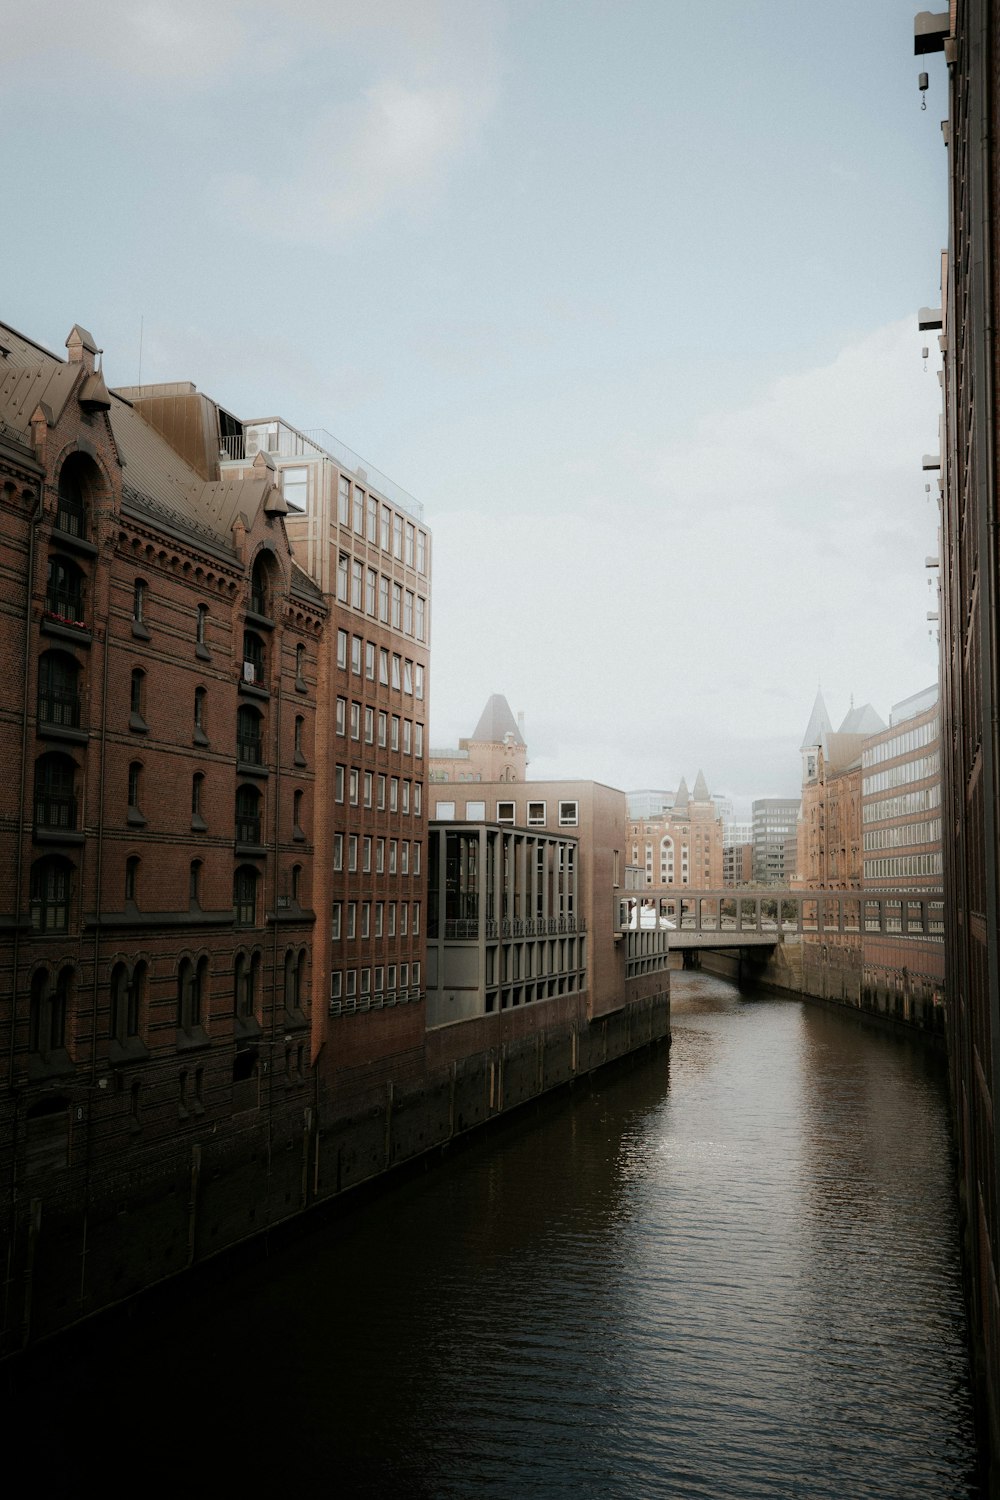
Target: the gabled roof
(496, 722)
(863, 720)
(700, 793)
(819, 723)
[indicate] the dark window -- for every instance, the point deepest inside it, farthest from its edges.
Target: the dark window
(200, 732)
(49, 1005)
(297, 811)
(245, 896)
(139, 601)
(126, 996)
(50, 895)
(55, 804)
(248, 736)
(259, 592)
(194, 882)
(71, 511)
(296, 883)
(197, 781)
(200, 624)
(134, 779)
(247, 815)
(253, 657)
(299, 756)
(300, 665)
(131, 877)
(59, 690)
(191, 990)
(64, 590)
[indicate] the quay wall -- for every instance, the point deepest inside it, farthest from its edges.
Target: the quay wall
(89, 1241)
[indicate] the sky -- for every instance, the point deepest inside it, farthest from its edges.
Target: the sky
(623, 291)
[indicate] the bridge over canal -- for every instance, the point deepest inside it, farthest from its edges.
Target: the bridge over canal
(762, 917)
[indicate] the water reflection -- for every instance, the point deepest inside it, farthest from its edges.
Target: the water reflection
(732, 1274)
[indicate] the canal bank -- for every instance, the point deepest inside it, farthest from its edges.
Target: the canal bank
(730, 1269)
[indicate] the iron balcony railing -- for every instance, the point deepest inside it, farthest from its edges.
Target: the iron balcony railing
(248, 828)
(60, 707)
(248, 750)
(467, 928)
(53, 811)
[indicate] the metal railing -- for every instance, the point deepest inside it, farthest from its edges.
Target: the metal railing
(283, 441)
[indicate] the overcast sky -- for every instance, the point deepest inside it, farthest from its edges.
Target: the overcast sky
(624, 291)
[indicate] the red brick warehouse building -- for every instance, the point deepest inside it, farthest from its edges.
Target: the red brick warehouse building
(158, 718)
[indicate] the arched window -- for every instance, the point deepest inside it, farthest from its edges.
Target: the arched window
(139, 602)
(64, 591)
(191, 992)
(59, 690)
(300, 666)
(201, 625)
(245, 896)
(666, 859)
(249, 744)
(300, 759)
(50, 895)
(126, 998)
(197, 785)
(134, 790)
(260, 590)
(247, 815)
(55, 802)
(79, 481)
(137, 700)
(253, 658)
(49, 1007)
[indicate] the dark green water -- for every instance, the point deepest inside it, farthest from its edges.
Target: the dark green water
(726, 1271)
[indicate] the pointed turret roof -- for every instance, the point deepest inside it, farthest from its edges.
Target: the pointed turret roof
(700, 793)
(863, 720)
(682, 798)
(496, 722)
(819, 723)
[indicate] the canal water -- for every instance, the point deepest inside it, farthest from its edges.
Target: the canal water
(729, 1269)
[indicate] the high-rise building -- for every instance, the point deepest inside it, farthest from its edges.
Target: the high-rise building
(774, 822)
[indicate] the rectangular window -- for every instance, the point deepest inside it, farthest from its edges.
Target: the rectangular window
(392, 856)
(406, 797)
(475, 812)
(415, 967)
(383, 599)
(338, 784)
(569, 814)
(341, 715)
(369, 726)
(368, 789)
(397, 606)
(336, 985)
(359, 511)
(353, 786)
(336, 921)
(408, 676)
(416, 865)
(445, 812)
(397, 536)
(404, 912)
(408, 612)
(418, 681)
(390, 978)
(357, 584)
(370, 661)
(338, 851)
(416, 933)
(536, 814)
(343, 573)
(381, 791)
(394, 739)
(356, 644)
(372, 519)
(352, 983)
(421, 618)
(352, 852)
(383, 726)
(366, 854)
(383, 667)
(371, 579)
(366, 976)
(421, 552)
(379, 917)
(386, 524)
(418, 741)
(379, 980)
(352, 919)
(404, 858)
(407, 736)
(391, 914)
(380, 856)
(396, 661)
(394, 794)
(295, 488)
(417, 797)
(366, 912)
(505, 812)
(408, 555)
(355, 721)
(342, 648)
(344, 502)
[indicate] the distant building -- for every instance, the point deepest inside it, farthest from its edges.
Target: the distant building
(737, 852)
(495, 751)
(829, 832)
(901, 822)
(682, 845)
(649, 804)
(774, 824)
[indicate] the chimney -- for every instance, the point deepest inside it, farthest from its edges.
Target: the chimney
(82, 347)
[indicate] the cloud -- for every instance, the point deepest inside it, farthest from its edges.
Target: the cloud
(687, 622)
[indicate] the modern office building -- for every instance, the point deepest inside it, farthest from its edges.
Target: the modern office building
(774, 822)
